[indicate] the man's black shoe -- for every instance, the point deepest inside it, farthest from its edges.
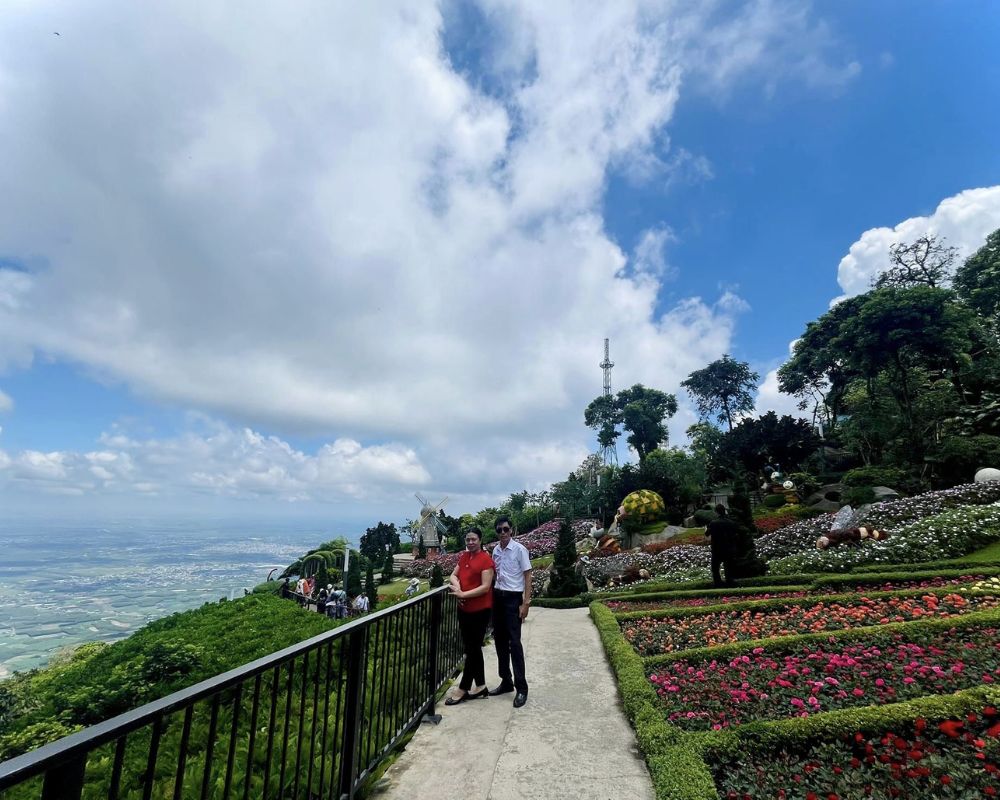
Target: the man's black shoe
(503, 688)
(520, 699)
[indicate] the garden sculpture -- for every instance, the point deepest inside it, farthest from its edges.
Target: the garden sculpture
(987, 474)
(643, 506)
(845, 531)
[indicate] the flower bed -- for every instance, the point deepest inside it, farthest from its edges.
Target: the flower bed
(670, 633)
(890, 515)
(776, 682)
(948, 534)
(951, 758)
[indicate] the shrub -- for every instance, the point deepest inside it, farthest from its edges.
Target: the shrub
(437, 576)
(859, 495)
(564, 580)
(703, 516)
(774, 501)
(878, 476)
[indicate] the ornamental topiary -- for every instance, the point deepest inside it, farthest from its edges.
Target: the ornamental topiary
(774, 501)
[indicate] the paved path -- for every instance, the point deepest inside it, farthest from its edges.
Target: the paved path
(570, 742)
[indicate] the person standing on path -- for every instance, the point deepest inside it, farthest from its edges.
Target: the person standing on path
(511, 600)
(472, 583)
(722, 534)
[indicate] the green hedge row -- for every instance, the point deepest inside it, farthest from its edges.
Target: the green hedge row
(794, 731)
(784, 602)
(924, 566)
(577, 601)
(780, 644)
(853, 579)
(677, 770)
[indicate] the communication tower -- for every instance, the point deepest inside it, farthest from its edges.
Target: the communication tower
(609, 455)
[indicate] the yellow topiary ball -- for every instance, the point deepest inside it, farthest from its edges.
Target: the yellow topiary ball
(644, 506)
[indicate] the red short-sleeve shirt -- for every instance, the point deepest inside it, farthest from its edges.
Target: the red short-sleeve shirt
(470, 576)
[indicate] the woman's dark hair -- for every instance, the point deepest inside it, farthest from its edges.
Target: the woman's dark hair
(500, 521)
(475, 529)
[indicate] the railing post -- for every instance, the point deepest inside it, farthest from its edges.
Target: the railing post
(352, 711)
(65, 782)
(437, 602)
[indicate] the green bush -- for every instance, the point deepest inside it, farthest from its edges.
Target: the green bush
(773, 501)
(703, 516)
(878, 476)
(437, 577)
(858, 496)
(564, 580)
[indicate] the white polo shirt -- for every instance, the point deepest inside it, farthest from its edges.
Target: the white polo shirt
(511, 564)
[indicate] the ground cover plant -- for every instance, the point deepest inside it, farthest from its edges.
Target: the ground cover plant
(955, 757)
(827, 673)
(654, 633)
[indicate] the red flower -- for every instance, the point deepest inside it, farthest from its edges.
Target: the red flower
(951, 728)
(946, 779)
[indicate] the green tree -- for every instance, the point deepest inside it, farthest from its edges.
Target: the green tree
(437, 576)
(644, 414)
(421, 550)
(352, 582)
(785, 442)
(604, 415)
(678, 477)
(375, 539)
(724, 389)
(371, 589)
(387, 568)
(977, 281)
(926, 261)
(564, 581)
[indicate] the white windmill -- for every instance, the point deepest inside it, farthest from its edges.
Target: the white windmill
(429, 528)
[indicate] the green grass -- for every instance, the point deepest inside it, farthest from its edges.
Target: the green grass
(397, 587)
(542, 561)
(988, 554)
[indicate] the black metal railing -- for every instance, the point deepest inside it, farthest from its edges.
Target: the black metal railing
(310, 722)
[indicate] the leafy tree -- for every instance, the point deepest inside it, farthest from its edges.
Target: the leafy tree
(924, 262)
(604, 415)
(564, 581)
(370, 588)
(437, 576)
(977, 281)
(374, 540)
(644, 414)
(783, 441)
(352, 583)
(678, 477)
(724, 389)
(387, 568)
(421, 550)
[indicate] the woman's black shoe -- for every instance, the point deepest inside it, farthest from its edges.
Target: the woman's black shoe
(503, 688)
(454, 701)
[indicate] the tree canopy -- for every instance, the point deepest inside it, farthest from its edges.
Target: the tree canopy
(642, 413)
(724, 389)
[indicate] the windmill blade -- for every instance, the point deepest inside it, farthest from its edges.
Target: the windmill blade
(440, 525)
(421, 499)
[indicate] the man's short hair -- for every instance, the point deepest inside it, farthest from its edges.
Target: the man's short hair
(500, 521)
(721, 510)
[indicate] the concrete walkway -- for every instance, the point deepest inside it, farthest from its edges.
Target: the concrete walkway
(570, 742)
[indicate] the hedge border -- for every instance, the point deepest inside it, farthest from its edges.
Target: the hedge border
(778, 644)
(782, 602)
(676, 768)
(877, 577)
(950, 563)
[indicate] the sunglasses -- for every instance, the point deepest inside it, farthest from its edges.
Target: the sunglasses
(504, 529)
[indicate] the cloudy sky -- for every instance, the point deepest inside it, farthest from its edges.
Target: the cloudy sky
(313, 257)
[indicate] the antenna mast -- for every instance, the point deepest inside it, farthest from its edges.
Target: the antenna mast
(609, 455)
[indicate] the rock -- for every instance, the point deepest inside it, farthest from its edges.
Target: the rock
(832, 491)
(885, 493)
(586, 545)
(825, 505)
(987, 474)
(691, 522)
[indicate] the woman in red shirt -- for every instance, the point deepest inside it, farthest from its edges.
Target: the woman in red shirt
(472, 583)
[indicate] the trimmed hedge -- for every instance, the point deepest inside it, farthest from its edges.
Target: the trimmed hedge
(578, 601)
(852, 579)
(836, 724)
(676, 768)
(784, 602)
(778, 644)
(927, 566)
(735, 592)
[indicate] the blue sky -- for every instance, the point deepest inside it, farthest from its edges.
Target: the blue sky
(379, 252)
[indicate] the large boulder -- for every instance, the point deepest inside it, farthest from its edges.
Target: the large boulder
(825, 505)
(987, 474)
(885, 493)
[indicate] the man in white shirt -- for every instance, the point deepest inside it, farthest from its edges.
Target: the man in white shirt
(361, 603)
(511, 600)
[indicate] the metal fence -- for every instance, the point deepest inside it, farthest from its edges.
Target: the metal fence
(310, 722)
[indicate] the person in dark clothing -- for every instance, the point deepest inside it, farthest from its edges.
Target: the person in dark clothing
(722, 534)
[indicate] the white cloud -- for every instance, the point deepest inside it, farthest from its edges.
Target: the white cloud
(965, 220)
(221, 460)
(649, 256)
(305, 219)
(6, 403)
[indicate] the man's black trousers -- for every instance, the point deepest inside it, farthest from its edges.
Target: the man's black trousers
(721, 558)
(473, 626)
(507, 637)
